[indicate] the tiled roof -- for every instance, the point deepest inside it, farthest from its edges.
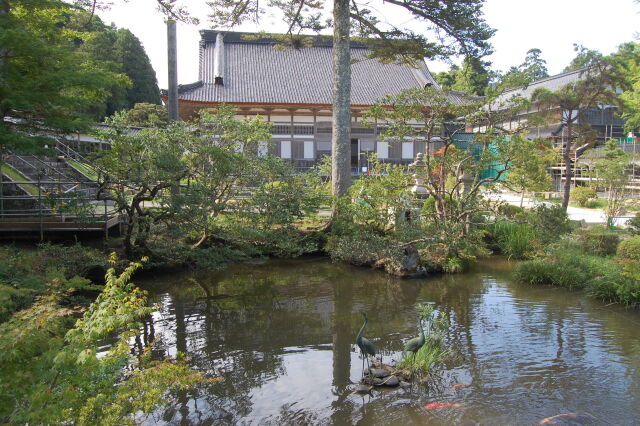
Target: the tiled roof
(253, 71)
(552, 83)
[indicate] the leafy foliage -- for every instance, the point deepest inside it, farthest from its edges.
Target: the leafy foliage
(211, 183)
(550, 222)
(144, 114)
(567, 264)
(629, 249)
(627, 63)
(472, 78)
(24, 275)
(533, 68)
(634, 224)
(528, 168)
(51, 372)
(122, 52)
(582, 194)
(381, 224)
(516, 240)
(599, 240)
(611, 173)
(45, 82)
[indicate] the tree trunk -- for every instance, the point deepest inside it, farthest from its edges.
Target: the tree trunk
(522, 198)
(340, 139)
(4, 10)
(568, 168)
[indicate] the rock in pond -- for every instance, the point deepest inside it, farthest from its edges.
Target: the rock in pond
(361, 388)
(380, 373)
(391, 381)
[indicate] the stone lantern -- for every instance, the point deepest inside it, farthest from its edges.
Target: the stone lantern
(419, 169)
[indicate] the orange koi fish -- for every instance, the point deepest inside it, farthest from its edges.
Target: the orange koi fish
(460, 385)
(436, 405)
(557, 419)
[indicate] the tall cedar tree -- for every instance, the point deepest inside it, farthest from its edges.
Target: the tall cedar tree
(533, 68)
(472, 78)
(452, 27)
(122, 52)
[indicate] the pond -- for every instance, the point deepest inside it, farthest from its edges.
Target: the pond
(281, 334)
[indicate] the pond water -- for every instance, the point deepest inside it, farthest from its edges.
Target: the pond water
(282, 333)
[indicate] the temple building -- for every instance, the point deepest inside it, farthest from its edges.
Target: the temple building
(292, 88)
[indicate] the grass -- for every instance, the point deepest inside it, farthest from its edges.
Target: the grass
(515, 239)
(598, 203)
(84, 168)
(16, 176)
(568, 265)
(429, 354)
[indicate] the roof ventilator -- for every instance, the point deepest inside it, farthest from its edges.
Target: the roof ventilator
(218, 60)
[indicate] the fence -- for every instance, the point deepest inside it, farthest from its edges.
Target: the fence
(54, 211)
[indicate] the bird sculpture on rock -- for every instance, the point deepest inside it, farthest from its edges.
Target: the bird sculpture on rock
(366, 347)
(415, 344)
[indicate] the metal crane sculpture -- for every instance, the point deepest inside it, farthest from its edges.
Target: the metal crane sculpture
(366, 347)
(415, 344)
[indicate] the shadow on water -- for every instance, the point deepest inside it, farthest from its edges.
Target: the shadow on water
(282, 335)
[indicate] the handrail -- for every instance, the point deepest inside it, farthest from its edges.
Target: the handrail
(45, 165)
(76, 154)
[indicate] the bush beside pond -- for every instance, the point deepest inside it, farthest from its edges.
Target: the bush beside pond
(629, 249)
(598, 240)
(567, 264)
(522, 234)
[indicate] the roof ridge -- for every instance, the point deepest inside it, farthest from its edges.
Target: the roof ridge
(243, 37)
(544, 79)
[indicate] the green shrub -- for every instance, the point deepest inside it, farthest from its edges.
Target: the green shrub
(535, 271)
(596, 204)
(582, 194)
(361, 248)
(599, 241)
(13, 300)
(516, 240)
(25, 274)
(568, 266)
(510, 211)
(550, 222)
(629, 249)
(429, 206)
(634, 224)
(628, 291)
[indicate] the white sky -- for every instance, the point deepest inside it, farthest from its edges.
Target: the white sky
(550, 25)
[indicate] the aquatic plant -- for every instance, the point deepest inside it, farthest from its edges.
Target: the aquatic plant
(433, 350)
(516, 240)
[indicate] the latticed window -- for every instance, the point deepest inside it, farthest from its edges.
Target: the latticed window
(303, 130)
(282, 129)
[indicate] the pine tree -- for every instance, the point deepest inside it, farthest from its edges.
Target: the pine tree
(473, 78)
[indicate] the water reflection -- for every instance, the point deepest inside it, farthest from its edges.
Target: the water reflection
(281, 334)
